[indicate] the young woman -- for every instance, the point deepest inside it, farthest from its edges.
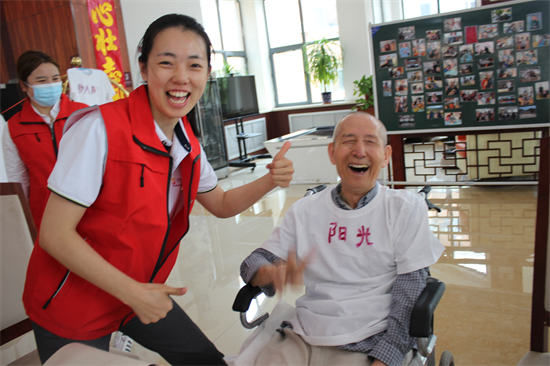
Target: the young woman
(127, 177)
(30, 147)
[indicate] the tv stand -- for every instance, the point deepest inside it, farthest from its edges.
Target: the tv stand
(245, 161)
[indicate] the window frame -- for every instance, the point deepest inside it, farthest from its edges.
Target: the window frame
(294, 47)
(225, 54)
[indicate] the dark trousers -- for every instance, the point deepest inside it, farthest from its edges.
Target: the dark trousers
(176, 338)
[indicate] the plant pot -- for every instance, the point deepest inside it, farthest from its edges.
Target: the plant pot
(327, 97)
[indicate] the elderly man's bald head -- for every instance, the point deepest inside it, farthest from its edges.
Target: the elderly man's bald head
(368, 118)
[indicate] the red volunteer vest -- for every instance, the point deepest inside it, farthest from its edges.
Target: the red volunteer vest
(128, 224)
(37, 146)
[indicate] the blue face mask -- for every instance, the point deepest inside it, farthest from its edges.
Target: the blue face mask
(46, 95)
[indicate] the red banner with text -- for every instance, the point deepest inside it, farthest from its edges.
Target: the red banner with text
(105, 39)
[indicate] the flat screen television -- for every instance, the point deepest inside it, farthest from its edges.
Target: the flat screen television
(238, 96)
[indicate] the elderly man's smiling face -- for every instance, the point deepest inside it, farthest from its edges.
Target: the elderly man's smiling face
(359, 152)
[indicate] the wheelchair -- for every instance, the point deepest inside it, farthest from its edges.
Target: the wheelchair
(422, 316)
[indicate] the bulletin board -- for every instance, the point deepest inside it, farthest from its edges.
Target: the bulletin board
(484, 68)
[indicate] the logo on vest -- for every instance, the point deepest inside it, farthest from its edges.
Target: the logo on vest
(342, 234)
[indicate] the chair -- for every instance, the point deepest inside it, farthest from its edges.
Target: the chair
(422, 316)
(17, 239)
(540, 311)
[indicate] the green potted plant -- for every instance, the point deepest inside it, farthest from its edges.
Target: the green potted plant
(363, 89)
(321, 64)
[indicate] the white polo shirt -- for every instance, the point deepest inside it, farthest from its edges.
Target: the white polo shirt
(78, 173)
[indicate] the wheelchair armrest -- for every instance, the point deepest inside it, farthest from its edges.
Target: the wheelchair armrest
(245, 296)
(422, 313)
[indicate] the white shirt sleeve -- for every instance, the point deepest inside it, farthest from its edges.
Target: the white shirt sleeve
(108, 87)
(209, 179)
(78, 172)
(16, 170)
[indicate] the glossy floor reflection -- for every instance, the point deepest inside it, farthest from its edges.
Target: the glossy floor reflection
(483, 318)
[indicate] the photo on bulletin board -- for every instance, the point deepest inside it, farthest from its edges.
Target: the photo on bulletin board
(507, 113)
(481, 62)
(514, 27)
(414, 76)
(501, 15)
(453, 118)
(486, 80)
(487, 31)
(406, 33)
(417, 88)
(485, 114)
(469, 80)
(464, 69)
(405, 49)
(418, 104)
(453, 38)
(451, 86)
(526, 58)
(401, 104)
(406, 120)
(528, 112)
(485, 48)
(433, 34)
(506, 58)
(401, 87)
(389, 60)
(434, 50)
(541, 40)
(396, 72)
(542, 89)
(469, 95)
(466, 53)
(413, 63)
(505, 42)
(434, 112)
(419, 47)
(485, 98)
(507, 99)
(388, 46)
(450, 51)
(526, 96)
(507, 73)
(522, 41)
(433, 82)
(529, 74)
(452, 24)
(534, 21)
(386, 85)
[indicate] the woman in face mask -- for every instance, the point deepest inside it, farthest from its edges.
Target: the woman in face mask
(30, 147)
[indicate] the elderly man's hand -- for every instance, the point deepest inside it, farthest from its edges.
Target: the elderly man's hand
(286, 273)
(281, 169)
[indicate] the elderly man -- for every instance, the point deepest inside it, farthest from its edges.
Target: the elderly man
(362, 250)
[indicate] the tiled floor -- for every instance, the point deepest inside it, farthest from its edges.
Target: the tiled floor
(484, 316)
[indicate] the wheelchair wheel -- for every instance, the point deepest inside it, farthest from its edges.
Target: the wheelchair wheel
(447, 359)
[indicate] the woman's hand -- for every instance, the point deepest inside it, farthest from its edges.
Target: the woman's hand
(151, 301)
(281, 169)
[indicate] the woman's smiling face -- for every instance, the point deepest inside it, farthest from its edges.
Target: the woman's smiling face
(176, 74)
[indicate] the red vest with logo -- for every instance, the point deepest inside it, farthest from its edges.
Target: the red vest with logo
(37, 146)
(129, 225)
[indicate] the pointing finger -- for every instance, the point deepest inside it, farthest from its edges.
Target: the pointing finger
(281, 154)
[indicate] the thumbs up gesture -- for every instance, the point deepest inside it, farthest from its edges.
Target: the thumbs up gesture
(281, 169)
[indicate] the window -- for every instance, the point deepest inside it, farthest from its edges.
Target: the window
(417, 8)
(222, 22)
(289, 27)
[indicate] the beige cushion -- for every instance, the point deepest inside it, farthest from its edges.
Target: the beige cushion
(75, 354)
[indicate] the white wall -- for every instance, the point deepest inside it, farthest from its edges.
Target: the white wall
(138, 14)
(353, 20)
